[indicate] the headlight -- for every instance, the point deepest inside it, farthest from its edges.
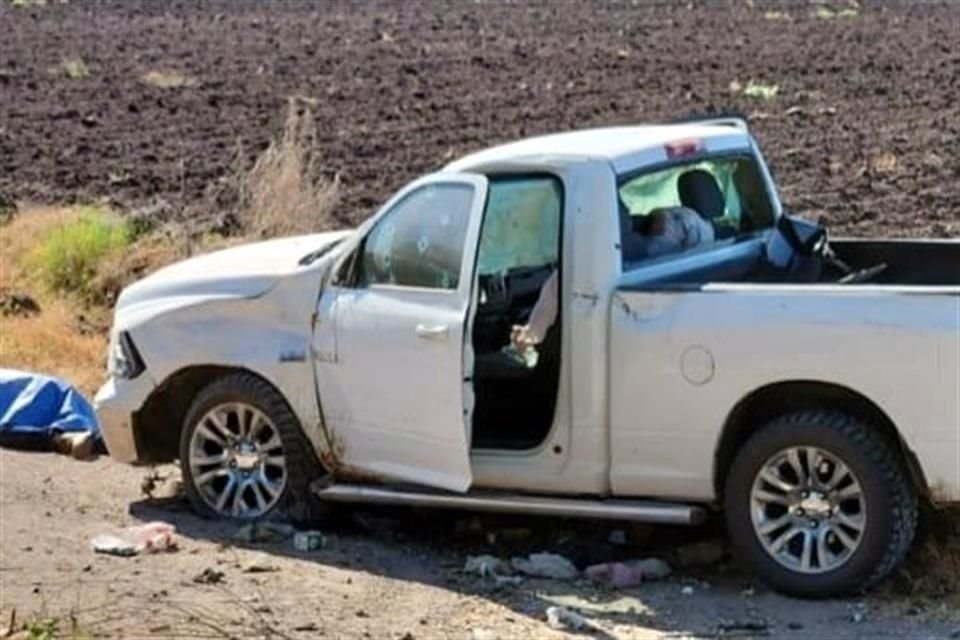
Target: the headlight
(125, 361)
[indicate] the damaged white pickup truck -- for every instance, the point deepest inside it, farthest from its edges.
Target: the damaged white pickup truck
(704, 350)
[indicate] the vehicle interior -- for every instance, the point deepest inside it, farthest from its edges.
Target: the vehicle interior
(727, 196)
(516, 390)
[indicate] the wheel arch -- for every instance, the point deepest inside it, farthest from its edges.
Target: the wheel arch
(766, 403)
(159, 422)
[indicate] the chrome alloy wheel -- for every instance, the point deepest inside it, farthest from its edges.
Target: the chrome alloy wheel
(236, 461)
(808, 510)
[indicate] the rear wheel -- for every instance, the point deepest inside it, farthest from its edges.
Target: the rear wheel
(820, 504)
(243, 455)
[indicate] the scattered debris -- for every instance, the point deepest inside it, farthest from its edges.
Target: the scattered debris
(151, 482)
(152, 537)
(17, 305)
(701, 554)
(481, 633)
(259, 564)
(564, 619)
(262, 531)
(545, 565)
(858, 613)
(308, 626)
(618, 537)
(309, 540)
(209, 576)
(628, 574)
(687, 590)
(752, 627)
(485, 566)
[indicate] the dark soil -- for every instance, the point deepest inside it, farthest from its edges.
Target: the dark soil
(863, 131)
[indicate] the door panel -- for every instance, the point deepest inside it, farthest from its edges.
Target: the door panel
(393, 395)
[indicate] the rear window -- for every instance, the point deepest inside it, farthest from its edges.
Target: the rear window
(691, 205)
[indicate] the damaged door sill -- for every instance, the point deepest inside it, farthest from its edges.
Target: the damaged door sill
(633, 510)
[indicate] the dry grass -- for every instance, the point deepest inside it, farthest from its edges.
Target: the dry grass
(284, 193)
(168, 79)
(931, 576)
(58, 340)
(75, 68)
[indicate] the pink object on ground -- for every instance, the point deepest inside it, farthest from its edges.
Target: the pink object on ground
(151, 537)
(628, 574)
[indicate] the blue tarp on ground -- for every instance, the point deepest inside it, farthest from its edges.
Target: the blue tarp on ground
(35, 407)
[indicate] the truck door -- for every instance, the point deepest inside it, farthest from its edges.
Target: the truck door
(393, 393)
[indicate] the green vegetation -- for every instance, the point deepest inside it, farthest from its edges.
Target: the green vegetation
(42, 629)
(826, 13)
(67, 260)
(168, 79)
(776, 15)
(761, 91)
(75, 68)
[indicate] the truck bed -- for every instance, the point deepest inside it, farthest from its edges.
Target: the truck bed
(909, 262)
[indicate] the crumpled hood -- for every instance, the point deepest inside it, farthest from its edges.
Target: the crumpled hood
(245, 271)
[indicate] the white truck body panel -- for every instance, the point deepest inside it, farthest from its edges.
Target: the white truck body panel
(680, 361)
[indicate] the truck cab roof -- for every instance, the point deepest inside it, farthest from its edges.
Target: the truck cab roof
(624, 147)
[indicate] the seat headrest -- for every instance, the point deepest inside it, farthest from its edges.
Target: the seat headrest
(698, 190)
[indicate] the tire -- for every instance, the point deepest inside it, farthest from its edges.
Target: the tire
(281, 467)
(876, 499)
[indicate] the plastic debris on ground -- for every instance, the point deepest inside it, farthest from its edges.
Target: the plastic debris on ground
(264, 532)
(485, 566)
(308, 540)
(563, 619)
(628, 574)
(259, 564)
(545, 565)
(152, 537)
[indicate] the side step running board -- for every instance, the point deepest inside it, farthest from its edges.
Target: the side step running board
(634, 510)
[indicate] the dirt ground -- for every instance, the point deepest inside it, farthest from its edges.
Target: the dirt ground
(861, 132)
(382, 574)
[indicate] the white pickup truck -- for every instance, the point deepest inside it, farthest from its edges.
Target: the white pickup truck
(809, 388)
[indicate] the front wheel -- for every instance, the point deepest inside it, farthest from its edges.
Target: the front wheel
(243, 455)
(820, 504)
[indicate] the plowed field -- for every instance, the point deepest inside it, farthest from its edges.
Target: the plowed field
(863, 129)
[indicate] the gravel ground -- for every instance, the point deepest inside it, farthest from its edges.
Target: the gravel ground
(382, 574)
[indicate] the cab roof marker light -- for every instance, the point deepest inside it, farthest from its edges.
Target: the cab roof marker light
(684, 148)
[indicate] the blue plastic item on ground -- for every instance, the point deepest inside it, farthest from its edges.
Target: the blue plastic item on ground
(36, 407)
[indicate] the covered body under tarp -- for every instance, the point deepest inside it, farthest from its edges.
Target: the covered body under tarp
(34, 408)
